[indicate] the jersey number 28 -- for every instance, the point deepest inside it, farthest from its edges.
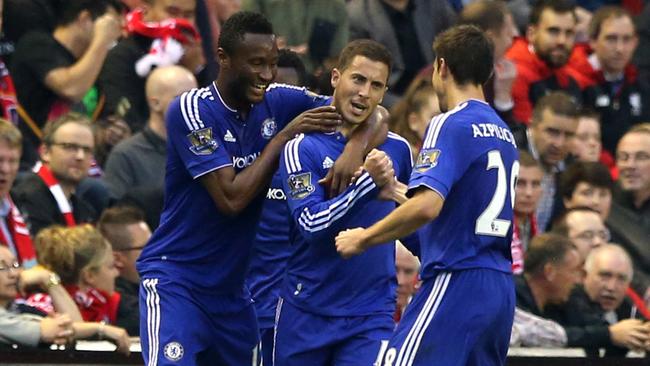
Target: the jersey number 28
(488, 222)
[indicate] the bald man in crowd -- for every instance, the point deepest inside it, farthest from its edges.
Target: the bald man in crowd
(140, 160)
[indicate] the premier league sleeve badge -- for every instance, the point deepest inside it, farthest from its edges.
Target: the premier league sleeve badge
(300, 185)
(427, 159)
(202, 141)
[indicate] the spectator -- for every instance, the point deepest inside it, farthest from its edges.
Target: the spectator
(599, 309)
(125, 229)
(152, 42)
(630, 215)
(316, 29)
(84, 261)
(552, 270)
(53, 71)
(108, 132)
(541, 58)
(407, 28)
(407, 269)
(48, 196)
(13, 231)
(585, 227)
(410, 117)
(615, 91)
(586, 145)
(140, 160)
(528, 193)
(553, 126)
(25, 325)
(589, 185)
(291, 70)
(495, 19)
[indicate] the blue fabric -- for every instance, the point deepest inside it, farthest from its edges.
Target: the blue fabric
(456, 318)
(304, 338)
(469, 158)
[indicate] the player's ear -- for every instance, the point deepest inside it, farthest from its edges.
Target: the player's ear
(223, 58)
(442, 68)
(336, 77)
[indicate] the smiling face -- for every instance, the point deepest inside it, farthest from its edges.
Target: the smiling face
(359, 88)
(252, 67)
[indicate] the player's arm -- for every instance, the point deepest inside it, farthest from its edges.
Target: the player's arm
(364, 138)
(232, 192)
(423, 207)
(317, 217)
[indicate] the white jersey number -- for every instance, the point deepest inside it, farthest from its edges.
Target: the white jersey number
(488, 223)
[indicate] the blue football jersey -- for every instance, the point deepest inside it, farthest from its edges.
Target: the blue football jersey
(196, 244)
(271, 250)
(469, 157)
(318, 279)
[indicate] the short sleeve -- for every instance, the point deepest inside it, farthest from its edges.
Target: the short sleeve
(40, 54)
(192, 136)
(442, 159)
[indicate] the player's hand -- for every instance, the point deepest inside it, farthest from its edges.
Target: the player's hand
(505, 73)
(350, 242)
(380, 167)
(120, 337)
(193, 58)
(629, 333)
(108, 29)
(56, 329)
(342, 174)
(321, 119)
(394, 191)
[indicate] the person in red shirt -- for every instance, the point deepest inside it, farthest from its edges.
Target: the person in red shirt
(84, 261)
(541, 57)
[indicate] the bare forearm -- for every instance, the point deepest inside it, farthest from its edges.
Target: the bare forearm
(405, 219)
(84, 330)
(74, 82)
(63, 303)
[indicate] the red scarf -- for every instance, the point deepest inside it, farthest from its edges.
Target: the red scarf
(517, 247)
(179, 29)
(56, 190)
(20, 235)
(94, 305)
(8, 100)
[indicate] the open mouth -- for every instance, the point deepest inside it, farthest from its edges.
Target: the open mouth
(358, 108)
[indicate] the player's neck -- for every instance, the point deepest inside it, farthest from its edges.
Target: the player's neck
(457, 94)
(225, 87)
(347, 128)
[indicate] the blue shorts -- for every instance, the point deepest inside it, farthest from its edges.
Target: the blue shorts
(178, 327)
(457, 319)
(303, 338)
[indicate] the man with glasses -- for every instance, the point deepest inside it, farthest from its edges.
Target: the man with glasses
(585, 227)
(554, 123)
(47, 196)
(125, 228)
(629, 218)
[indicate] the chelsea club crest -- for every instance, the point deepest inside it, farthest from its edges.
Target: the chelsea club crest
(269, 127)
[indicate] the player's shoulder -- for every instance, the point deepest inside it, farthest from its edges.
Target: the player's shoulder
(277, 92)
(396, 142)
(192, 107)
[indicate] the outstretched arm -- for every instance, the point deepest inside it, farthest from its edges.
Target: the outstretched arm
(408, 217)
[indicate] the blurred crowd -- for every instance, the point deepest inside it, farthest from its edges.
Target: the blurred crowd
(85, 84)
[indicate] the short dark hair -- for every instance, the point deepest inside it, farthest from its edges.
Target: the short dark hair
(112, 222)
(588, 112)
(468, 53)
(558, 102)
(69, 10)
(605, 13)
(561, 226)
(367, 48)
(558, 6)
(240, 23)
(546, 248)
(485, 14)
(290, 59)
(593, 173)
